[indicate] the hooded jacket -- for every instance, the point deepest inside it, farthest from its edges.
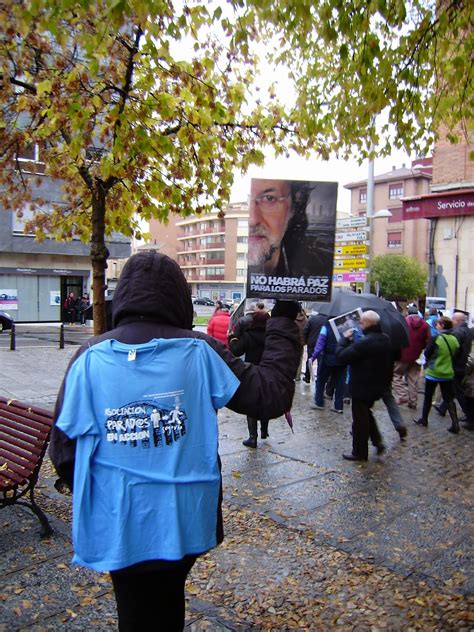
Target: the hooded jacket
(419, 335)
(219, 324)
(153, 300)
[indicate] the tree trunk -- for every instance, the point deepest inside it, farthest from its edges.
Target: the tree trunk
(99, 256)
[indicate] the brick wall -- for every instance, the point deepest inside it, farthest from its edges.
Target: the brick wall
(451, 162)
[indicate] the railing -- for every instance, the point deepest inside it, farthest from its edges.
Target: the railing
(217, 245)
(30, 335)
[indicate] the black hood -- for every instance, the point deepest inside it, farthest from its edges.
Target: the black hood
(152, 287)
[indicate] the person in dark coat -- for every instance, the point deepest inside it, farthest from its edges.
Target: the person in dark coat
(371, 364)
(464, 337)
(70, 308)
(166, 429)
(311, 333)
(251, 342)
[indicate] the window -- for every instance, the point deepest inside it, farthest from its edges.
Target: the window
(362, 196)
(394, 240)
(241, 272)
(29, 153)
(395, 190)
(397, 215)
(215, 271)
(242, 223)
(26, 215)
(218, 254)
(242, 240)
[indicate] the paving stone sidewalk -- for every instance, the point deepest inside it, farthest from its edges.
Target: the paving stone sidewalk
(312, 542)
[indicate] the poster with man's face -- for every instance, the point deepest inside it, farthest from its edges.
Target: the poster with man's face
(292, 226)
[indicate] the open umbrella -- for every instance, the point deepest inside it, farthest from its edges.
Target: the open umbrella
(391, 321)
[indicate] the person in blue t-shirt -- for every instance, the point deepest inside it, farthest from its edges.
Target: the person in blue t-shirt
(136, 436)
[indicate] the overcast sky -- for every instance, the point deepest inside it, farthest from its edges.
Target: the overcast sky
(332, 170)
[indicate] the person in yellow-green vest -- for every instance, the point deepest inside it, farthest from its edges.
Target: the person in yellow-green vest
(440, 358)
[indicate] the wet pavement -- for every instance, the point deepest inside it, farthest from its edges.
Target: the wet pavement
(313, 542)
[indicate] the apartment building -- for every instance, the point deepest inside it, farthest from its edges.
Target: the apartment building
(36, 277)
(392, 234)
(449, 209)
(211, 250)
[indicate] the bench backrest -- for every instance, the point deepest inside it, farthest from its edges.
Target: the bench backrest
(24, 436)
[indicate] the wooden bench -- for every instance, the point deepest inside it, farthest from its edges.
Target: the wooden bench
(24, 436)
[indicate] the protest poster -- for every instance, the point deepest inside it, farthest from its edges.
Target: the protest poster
(292, 225)
(348, 320)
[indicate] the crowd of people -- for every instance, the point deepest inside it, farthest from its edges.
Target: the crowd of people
(364, 366)
(75, 308)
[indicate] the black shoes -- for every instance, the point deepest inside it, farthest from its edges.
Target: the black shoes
(251, 442)
(420, 421)
(402, 431)
(439, 410)
(264, 435)
(381, 448)
(353, 457)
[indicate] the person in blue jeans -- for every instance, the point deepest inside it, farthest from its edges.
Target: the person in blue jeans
(328, 366)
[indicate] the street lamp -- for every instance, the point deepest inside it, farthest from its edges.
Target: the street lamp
(383, 212)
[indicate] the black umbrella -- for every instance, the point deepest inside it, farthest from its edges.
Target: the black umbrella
(392, 322)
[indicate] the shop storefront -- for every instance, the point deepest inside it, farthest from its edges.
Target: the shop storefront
(38, 294)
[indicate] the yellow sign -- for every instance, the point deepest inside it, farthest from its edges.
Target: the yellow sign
(350, 263)
(356, 249)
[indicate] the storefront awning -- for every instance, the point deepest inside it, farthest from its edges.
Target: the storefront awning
(443, 204)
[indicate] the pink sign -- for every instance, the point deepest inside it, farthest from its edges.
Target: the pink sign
(350, 277)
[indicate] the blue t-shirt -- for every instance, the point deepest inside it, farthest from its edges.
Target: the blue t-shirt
(146, 479)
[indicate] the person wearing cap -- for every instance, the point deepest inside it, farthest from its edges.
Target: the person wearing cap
(406, 372)
(135, 436)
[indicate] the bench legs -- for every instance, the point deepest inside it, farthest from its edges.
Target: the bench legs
(46, 528)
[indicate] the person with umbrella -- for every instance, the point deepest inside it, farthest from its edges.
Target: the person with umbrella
(371, 364)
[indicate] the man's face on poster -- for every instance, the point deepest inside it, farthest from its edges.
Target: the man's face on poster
(269, 214)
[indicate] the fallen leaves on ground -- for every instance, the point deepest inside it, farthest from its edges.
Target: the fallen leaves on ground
(275, 578)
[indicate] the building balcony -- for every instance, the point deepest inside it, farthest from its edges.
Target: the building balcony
(200, 262)
(203, 279)
(217, 245)
(201, 232)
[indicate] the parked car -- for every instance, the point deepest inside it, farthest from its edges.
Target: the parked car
(203, 300)
(6, 321)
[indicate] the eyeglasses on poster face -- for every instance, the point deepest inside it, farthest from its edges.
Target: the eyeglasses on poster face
(268, 201)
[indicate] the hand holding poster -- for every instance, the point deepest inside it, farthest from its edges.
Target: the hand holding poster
(291, 239)
(345, 322)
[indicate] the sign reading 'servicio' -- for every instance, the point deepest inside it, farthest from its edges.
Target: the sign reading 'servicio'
(292, 224)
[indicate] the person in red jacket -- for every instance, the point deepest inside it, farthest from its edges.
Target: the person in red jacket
(219, 324)
(407, 370)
